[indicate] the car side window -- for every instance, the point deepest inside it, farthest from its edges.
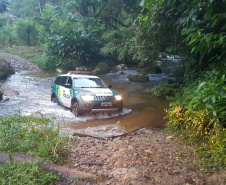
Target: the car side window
(57, 80)
(69, 83)
(63, 80)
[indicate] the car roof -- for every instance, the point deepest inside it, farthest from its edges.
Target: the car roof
(79, 76)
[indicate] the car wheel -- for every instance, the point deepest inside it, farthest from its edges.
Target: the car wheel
(75, 109)
(54, 100)
(120, 108)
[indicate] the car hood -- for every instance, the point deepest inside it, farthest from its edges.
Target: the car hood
(99, 91)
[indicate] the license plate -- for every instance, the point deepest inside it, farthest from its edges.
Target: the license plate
(106, 104)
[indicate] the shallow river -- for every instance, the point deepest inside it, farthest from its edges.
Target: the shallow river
(140, 110)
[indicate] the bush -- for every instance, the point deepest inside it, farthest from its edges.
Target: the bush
(198, 116)
(163, 90)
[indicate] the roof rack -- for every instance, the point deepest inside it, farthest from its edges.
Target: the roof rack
(81, 72)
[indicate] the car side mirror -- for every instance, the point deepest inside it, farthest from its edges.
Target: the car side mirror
(110, 86)
(67, 86)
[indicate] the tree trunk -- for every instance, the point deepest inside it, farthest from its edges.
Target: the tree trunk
(40, 9)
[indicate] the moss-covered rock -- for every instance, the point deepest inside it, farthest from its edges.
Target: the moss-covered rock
(138, 78)
(102, 68)
(5, 69)
(121, 67)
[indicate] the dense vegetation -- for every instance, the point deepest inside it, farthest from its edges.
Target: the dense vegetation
(85, 33)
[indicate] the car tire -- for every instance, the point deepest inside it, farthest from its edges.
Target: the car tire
(120, 109)
(54, 100)
(75, 109)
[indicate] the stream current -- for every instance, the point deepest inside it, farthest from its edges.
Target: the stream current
(140, 110)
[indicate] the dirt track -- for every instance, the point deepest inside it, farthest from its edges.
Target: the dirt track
(148, 156)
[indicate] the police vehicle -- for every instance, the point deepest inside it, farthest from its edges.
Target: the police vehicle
(85, 93)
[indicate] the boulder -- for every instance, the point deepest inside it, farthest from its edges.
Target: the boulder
(163, 55)
(121, 67)
(102, 68)
(138, 78)
(1, 95)
(5, 69)
(60, 70)
(7, 91)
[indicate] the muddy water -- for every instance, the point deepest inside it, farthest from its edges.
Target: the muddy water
(140, 110)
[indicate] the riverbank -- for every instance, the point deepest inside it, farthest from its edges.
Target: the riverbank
(18, 63)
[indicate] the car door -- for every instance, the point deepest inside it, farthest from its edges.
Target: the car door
(62, 89)
(66, 92)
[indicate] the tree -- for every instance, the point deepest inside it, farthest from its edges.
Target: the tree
(3, 5)
(30, 8)
(197, 27)
(27, 32)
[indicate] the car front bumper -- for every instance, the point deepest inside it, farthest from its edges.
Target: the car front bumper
(95, 107)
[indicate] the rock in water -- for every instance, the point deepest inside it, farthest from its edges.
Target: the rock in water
(121, 67)
(5, 69)
(7, 91)
(1, 95)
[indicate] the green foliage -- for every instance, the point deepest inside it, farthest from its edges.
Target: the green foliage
(36, 136)
(30, 8)
(159, 27)
(7, 36)
(27, 32)
(143, 48)
(73, 48)
(204, 27)
(25, 173)
(163, 90)
(196, 28)
(198, 116)
(117, 44)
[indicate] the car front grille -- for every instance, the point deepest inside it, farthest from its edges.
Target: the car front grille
(102, 98)
(98, 106)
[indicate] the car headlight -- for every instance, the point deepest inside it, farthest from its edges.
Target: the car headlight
(118, 97)
(87, 98)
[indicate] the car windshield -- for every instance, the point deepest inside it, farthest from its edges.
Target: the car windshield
(89, 83)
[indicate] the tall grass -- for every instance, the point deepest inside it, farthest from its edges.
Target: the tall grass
(34, 136)
(25, 173)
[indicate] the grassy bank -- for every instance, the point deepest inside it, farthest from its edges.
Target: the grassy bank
(38, 137)
(25, 173)
(34, 54)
